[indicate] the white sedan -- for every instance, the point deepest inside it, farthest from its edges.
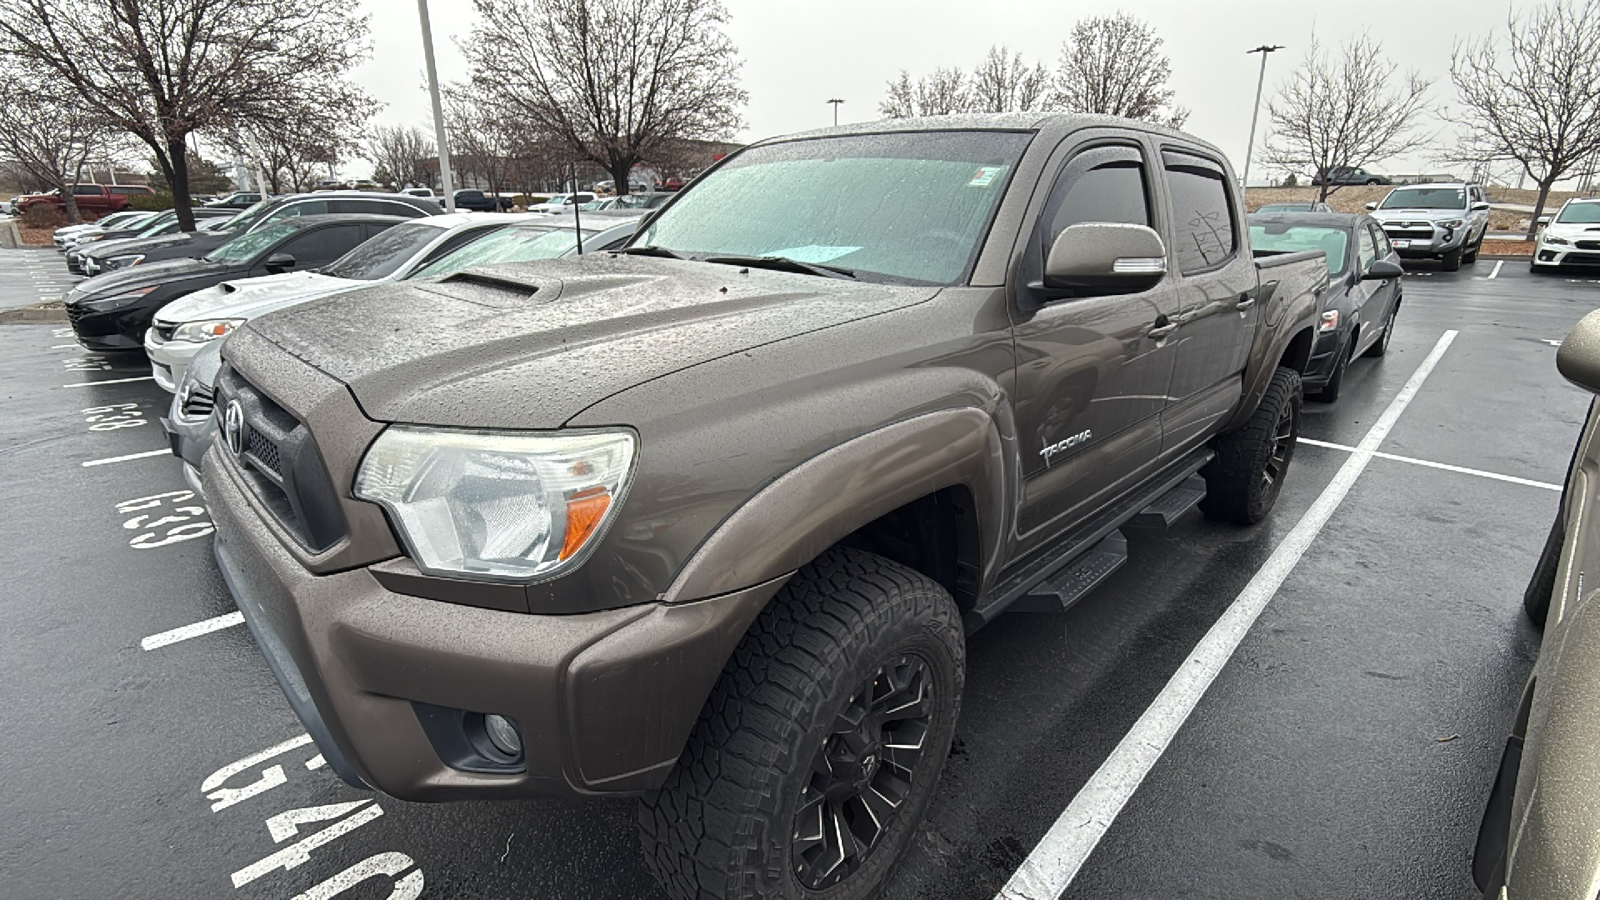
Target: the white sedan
(1571, 239)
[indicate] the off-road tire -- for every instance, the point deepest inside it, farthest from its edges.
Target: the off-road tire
(724, 824)
(1471, 256)
(1330, 392)
(1381, 345)
(1451, 262)
(1237, 487)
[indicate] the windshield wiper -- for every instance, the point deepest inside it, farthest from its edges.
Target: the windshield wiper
(650, 250)
(783, 264)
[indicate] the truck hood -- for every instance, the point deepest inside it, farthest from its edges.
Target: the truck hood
(1419, 215)
(247, 298)
(531, 345)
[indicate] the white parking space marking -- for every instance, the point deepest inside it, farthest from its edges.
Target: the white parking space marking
(110, 381)
(116, 459)
(167, 638)
(1055, 862)
(1446, 467)
(1496, 271)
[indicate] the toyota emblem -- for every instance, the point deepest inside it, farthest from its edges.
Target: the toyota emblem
(233, 427)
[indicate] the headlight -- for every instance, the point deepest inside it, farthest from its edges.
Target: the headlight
(205, 330)
(1556, 241)
(1452, 223)
(114, 300)
(499, 506)
(117, 262)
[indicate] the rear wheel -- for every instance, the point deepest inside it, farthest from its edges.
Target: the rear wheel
(821, 745)
(1243, 480)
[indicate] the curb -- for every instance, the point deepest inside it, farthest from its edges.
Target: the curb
(33, 315)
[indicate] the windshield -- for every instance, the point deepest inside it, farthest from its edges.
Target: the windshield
(1426, 198)
(383, 255)
(906, 206)
(1580, 214)
(246, 247)
(1277, 238)
(248, 216)
(508, 245)
(216, 223)
(641, 201)
(153, 227)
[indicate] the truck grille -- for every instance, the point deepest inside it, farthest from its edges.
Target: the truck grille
(280, 461)
(1409, 232)
(198, 401)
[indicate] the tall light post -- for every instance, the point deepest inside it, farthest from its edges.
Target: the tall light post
(438, 109)
(1255, 111)
(835, 101)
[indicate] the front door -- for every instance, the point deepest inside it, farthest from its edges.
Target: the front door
(1091, 378)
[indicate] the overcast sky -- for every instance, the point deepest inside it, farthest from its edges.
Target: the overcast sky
(799, 53)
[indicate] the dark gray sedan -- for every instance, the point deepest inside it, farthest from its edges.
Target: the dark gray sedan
(1363, 295)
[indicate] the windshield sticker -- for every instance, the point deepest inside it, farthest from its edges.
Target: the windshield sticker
(985, 176)
(814, 253)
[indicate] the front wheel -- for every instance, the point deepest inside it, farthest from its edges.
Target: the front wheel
(1330, 391)
(1452, 260)
(820, 746)
(1381, 345)
(1244, 478)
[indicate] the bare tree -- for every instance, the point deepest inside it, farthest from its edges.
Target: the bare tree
(613, 80)
(400, 150)
(1355, 110)
(48, 140)
(323, 134)
(1113, 65)
(480, 144)
(1004, 83)
(164, 69)
(1532, 95)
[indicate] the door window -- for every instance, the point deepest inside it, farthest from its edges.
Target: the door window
(87, 190)
(1103, 184)
(1366, 251)
(322, 244)
(1380, 240)
(1203, 220)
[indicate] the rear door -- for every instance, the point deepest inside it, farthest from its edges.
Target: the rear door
(1091, 381)
(1217, 288)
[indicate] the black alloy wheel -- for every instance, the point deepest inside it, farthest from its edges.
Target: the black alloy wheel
(863, 773)
(1282, 448)
(1245, 476)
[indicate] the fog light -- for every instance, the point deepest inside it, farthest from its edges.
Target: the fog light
(503, 734)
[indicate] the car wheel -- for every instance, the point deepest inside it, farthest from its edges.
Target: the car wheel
(820, 746)
(1471, 256)
(1330, 391)
(1452, 261)
(1244, 478)
(1373, 181)
(1381, 345)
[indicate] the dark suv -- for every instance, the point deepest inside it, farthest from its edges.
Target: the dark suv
(1348, 175)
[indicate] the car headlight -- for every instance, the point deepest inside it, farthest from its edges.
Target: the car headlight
(1555, 241)
(1452, 223)
(499, 506)
(205, 329)
(115, 300)
(131, 259)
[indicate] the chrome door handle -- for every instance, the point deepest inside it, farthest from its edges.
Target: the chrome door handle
(1245, 302)
(1162, 332)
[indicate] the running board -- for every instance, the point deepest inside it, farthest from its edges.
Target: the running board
(1172, 506)
(1062, 589)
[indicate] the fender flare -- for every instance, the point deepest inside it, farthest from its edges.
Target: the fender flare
(801, 513)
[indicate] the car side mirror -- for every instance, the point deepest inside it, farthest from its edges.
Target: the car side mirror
(1542, 221)
(279, 262)
(1480, 206)
(1382, 270)
(1578, 360)
(1106, 257)
(1372, 206)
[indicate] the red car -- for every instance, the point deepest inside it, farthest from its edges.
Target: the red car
(99, 199)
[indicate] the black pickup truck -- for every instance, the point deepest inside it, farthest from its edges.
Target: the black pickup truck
(478, 201)
(706, 521)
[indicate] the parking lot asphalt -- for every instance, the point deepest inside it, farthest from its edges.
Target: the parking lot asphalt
(1345, 748)
(30, 275)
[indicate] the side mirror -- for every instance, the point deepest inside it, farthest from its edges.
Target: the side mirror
(1578, 360)
(279, 262)
(1106, 257)
(1372, 206)
(1542, 221)
(1382, 270)
(1480, 206)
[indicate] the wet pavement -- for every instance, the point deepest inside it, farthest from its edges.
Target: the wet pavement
(1345, 749)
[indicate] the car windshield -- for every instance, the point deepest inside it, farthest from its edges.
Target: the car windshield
(1273, 237)
(383, 255)
(154, 226)
(248, 216)
(1580, 214)
(217, 223)
(508, 245)
(246, 247)
(907, 206)
(557, 199)
(1426, 198)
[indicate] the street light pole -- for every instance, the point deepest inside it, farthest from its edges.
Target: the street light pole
(438, 109)
(836, 101)
(1255, 111)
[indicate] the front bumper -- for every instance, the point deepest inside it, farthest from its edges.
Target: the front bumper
(1419, 240)
(169, 360)
(1554, 256)
(109, 329)
(605, 700)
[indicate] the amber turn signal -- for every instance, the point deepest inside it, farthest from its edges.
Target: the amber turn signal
(585, 509)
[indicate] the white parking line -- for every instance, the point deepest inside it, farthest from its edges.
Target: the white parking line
(165, 638)
(1438, 465)
(111, 381)
(1052, 865)
(117, 459)
(1497, 264)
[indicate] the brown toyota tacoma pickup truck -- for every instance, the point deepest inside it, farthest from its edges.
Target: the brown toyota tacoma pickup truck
(705, 521)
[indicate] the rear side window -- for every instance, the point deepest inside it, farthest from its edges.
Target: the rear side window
(323, 244)
(376, 207)
(1102, 184)
(87, 190)
(1203, 222)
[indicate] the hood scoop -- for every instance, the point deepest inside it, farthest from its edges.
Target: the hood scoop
(496, 287)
